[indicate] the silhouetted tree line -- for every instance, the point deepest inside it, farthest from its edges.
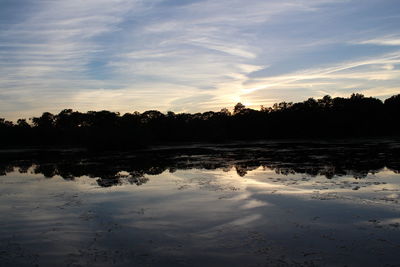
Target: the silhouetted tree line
(326, 117)
(357, 159)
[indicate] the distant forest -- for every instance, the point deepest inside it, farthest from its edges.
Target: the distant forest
(355, 116)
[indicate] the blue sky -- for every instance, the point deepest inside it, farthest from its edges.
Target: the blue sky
(194, 55)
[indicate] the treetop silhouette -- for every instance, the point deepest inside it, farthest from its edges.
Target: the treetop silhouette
(328, 117)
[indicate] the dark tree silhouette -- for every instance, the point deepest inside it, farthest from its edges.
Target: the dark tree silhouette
(239, 107)
(356, 116)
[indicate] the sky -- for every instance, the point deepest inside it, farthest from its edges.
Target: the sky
(192, 55)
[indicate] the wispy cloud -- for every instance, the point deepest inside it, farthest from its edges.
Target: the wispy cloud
(345, 70)
(375, 76)
(390, 40)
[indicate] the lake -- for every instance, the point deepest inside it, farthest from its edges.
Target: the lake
(293, 203)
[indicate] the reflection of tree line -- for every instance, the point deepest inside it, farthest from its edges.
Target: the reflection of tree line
(326, 117)
(113, 169)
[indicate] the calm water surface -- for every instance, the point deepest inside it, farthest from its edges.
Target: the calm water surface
(263, 204)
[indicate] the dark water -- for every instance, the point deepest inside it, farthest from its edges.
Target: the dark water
(254, 204)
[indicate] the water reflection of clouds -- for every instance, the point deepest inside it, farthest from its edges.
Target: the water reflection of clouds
(213, 211)
(374, 188)
(381, 186)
